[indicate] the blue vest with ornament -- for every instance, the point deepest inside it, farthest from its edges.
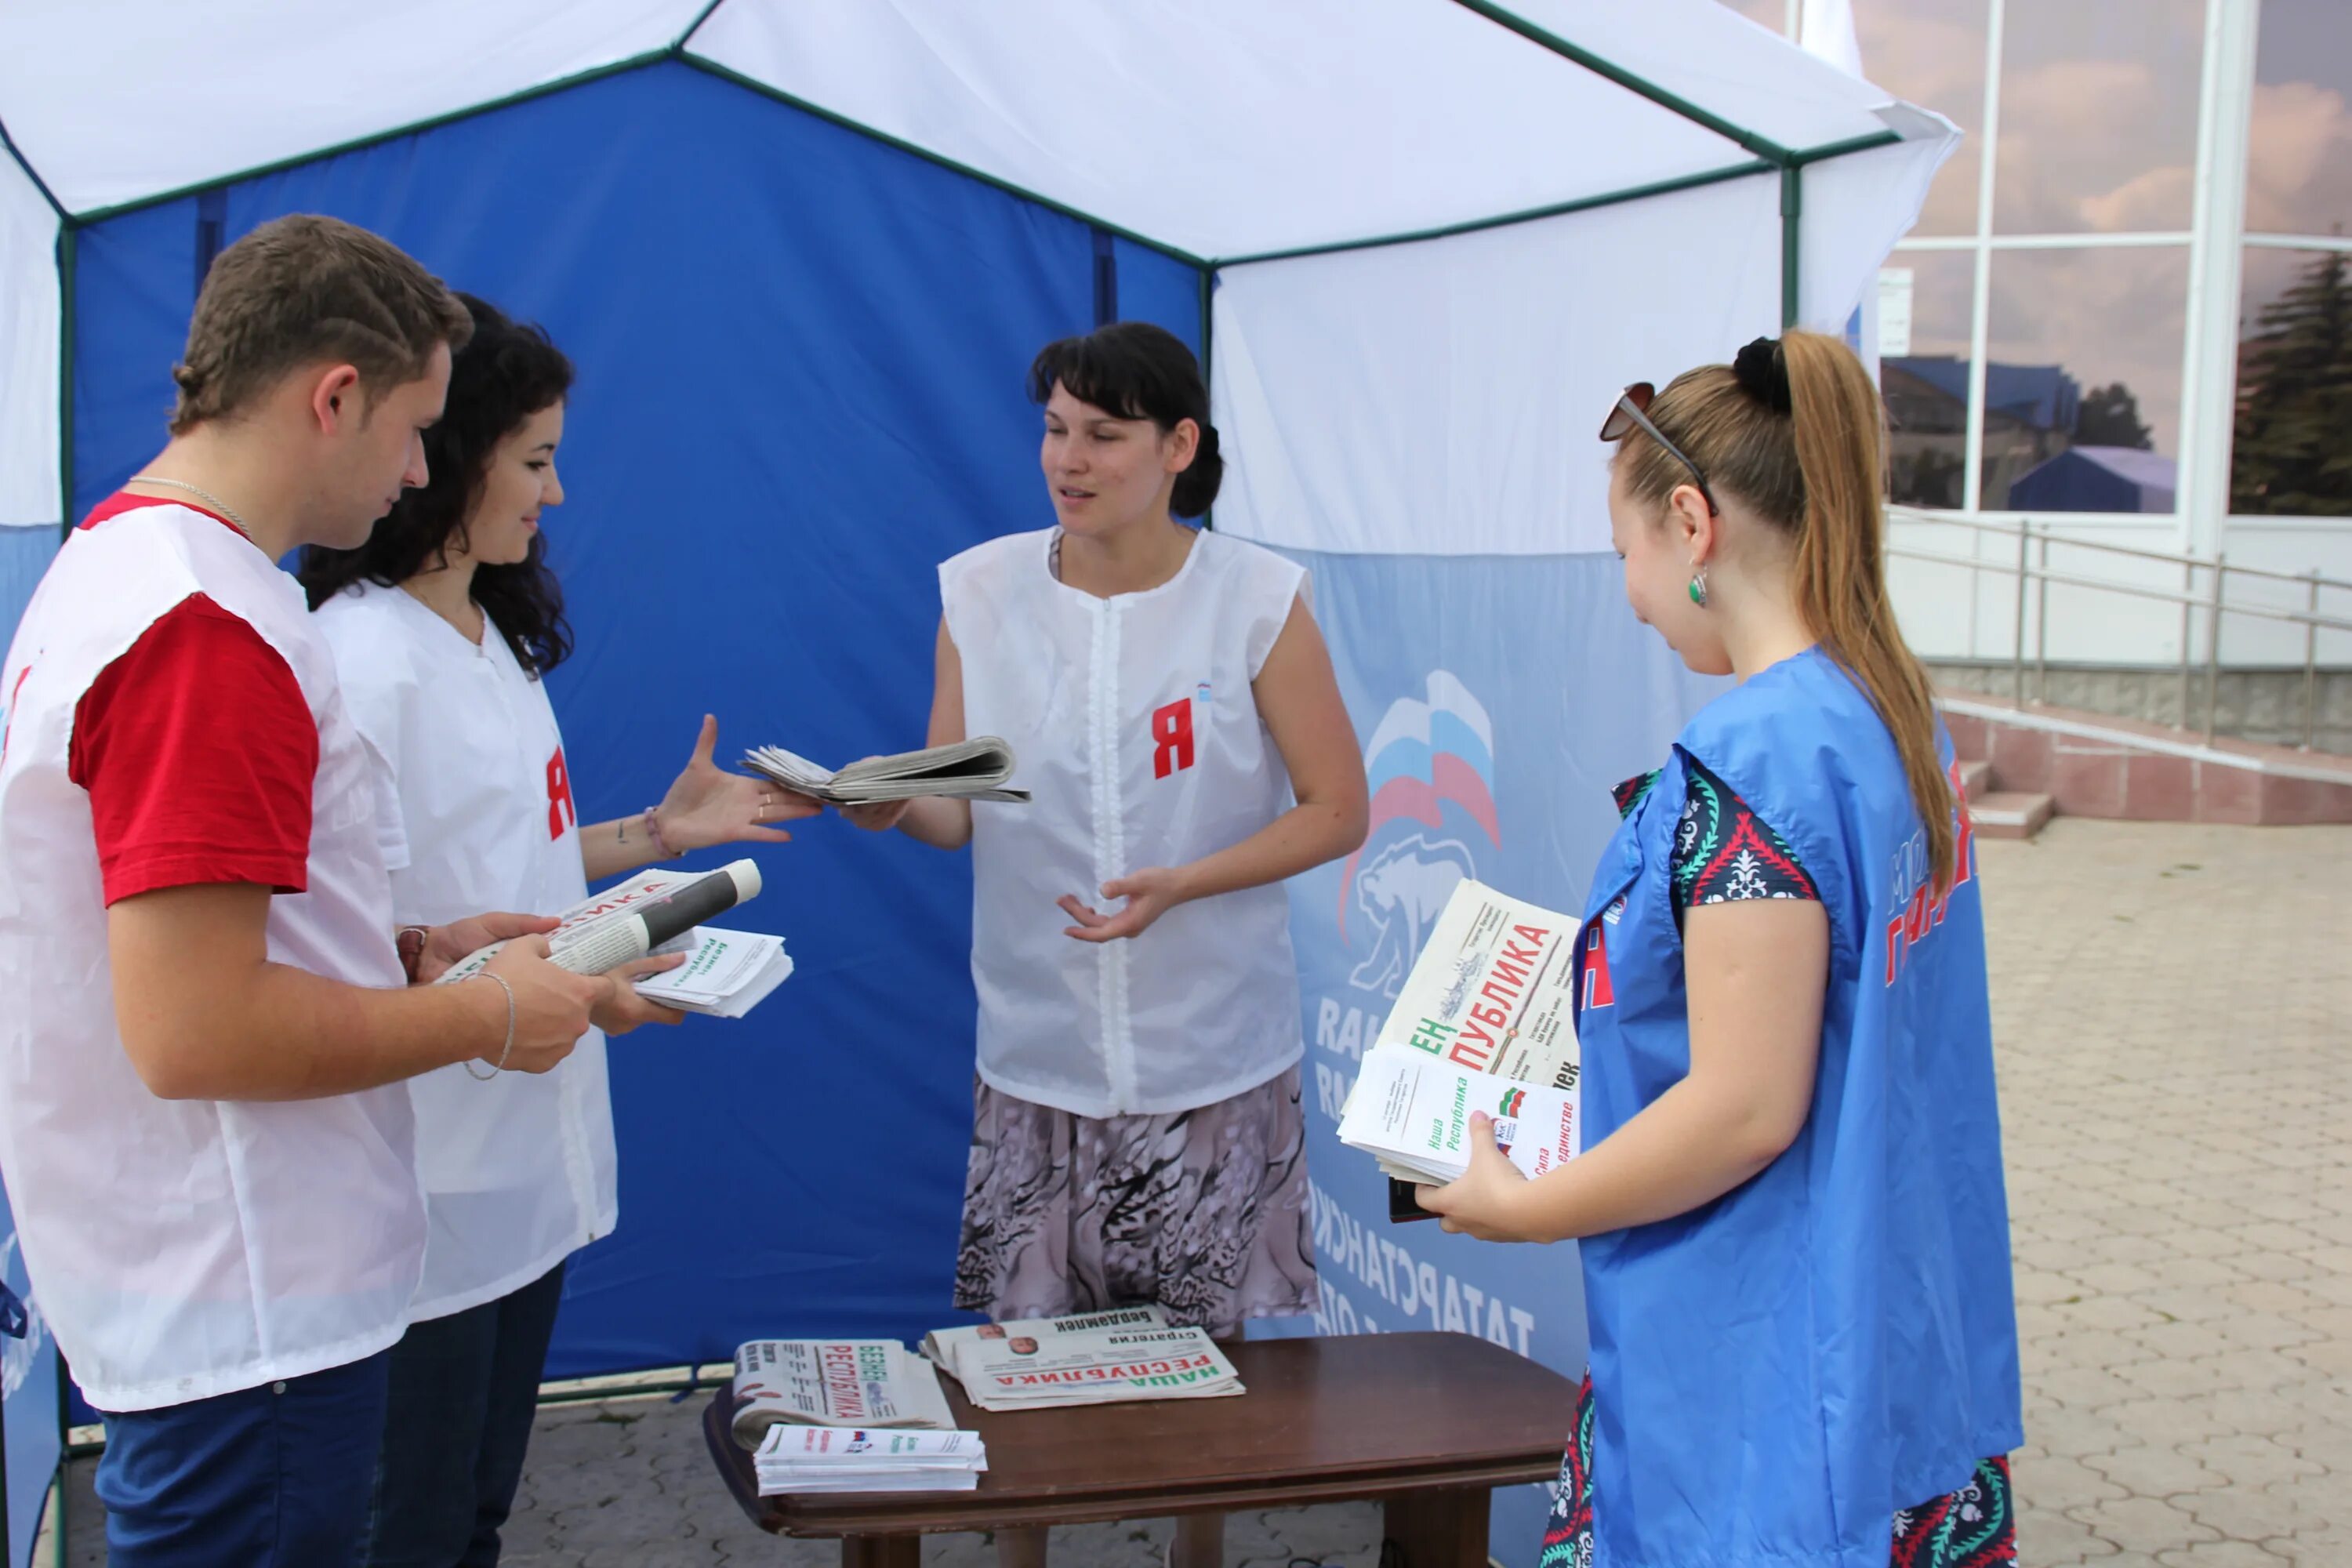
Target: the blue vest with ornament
(1779, 1371)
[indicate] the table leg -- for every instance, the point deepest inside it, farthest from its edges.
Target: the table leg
(1440, 1529)
(884, 1551)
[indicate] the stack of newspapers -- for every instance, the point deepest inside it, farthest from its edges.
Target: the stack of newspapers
(867, 1459)
(834, 1382)
(726, 973)
(848, 1416)
(977, 769)
(1101, 1358)
(1486, 1022)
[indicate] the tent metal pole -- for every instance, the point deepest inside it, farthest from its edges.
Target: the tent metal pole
(68, 264)
(1762, 146)
(1792, 211)
(678, 48)
(1504, 220)
(1208, 281)
(48, 196)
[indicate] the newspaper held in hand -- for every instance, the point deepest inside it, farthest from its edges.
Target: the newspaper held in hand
(834, 1382)
(1097, 1358)
(867, 1459)
(1414, 1113)
(977, 769)
(652, 908)
(1492, 992)
(726, 972)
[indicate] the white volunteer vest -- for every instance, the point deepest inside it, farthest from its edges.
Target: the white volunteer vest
(185, 1248)
(475, 809)
(1136, 731)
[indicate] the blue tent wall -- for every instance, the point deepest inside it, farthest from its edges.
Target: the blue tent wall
(801, 358)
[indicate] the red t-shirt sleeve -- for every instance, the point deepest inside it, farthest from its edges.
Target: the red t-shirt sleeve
(199, 752)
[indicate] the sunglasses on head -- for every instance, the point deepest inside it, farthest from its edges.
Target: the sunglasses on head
(1632, 412)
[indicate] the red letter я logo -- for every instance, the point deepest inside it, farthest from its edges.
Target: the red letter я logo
(560, 809)
(1597, 991)
(1172, 737)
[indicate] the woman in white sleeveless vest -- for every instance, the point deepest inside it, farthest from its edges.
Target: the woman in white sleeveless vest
(1138, 1133)
(442, 625)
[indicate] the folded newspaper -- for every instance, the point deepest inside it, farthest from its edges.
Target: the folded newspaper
(834, 1382)
(977, 769)
(1101, 1358)
(867, 1459)
(654, 909)
(1491, 993)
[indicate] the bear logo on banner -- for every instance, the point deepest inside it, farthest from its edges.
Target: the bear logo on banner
(22, 1332)
(1429, 765)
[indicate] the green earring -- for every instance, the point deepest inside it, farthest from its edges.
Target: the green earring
(1699, 586)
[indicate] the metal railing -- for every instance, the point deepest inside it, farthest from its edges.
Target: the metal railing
(2031, 567)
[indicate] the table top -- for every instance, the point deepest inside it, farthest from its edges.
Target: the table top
(1324, 1420)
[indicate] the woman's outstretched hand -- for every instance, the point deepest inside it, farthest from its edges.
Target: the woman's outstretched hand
(708, 806)
(1149, 893)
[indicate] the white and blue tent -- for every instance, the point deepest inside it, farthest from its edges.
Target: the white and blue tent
(802, 251)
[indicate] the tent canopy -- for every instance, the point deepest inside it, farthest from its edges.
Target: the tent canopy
(1217, 130)
(802, 251)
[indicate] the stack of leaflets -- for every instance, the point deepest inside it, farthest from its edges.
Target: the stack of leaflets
(1486, 1021)
(727, 972)
(867, 1460)
(1415, 1114)
(977, 769)
(834, 1382)
(1103, 1358)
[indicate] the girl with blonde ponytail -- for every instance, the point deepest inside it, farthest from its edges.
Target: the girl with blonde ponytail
(1794, 1230)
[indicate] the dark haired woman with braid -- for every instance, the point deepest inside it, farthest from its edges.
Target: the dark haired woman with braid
(1793, 1225)
(1138, 1135)
(442, 625)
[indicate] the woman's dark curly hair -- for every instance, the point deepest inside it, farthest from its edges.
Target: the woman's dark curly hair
(508, 371)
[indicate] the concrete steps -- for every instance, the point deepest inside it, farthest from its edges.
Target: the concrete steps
(1997, 812)
(2010, 813)
(2092, 766)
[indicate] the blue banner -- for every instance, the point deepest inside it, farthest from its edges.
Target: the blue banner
(1500, 699)
(28, 1397)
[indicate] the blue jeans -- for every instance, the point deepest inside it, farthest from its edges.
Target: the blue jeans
(274, 1477)
(465, 1390)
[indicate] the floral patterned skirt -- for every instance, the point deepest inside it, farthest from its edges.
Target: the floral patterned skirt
(1971, 1527)
(1203, 1211)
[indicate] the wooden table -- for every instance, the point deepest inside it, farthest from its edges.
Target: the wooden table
(1426, 1422)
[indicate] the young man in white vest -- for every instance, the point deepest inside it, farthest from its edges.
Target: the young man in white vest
(209, 1010)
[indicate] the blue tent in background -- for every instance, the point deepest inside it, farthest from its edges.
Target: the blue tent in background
(2097, 479)
(802, 254)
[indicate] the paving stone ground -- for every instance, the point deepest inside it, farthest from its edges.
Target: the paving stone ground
(2174, 1009)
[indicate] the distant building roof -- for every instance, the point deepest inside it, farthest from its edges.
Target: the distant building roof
(2042, 396)
(2151, 468)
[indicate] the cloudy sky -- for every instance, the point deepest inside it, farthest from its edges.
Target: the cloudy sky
(2098, 133)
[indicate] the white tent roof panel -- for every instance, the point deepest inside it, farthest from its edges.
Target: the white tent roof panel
(113, 101)
(1222, 128)
(1446, 398)
(1709, 55)
(1228, 127)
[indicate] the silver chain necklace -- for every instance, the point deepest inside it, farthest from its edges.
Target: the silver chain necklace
(203, 495)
